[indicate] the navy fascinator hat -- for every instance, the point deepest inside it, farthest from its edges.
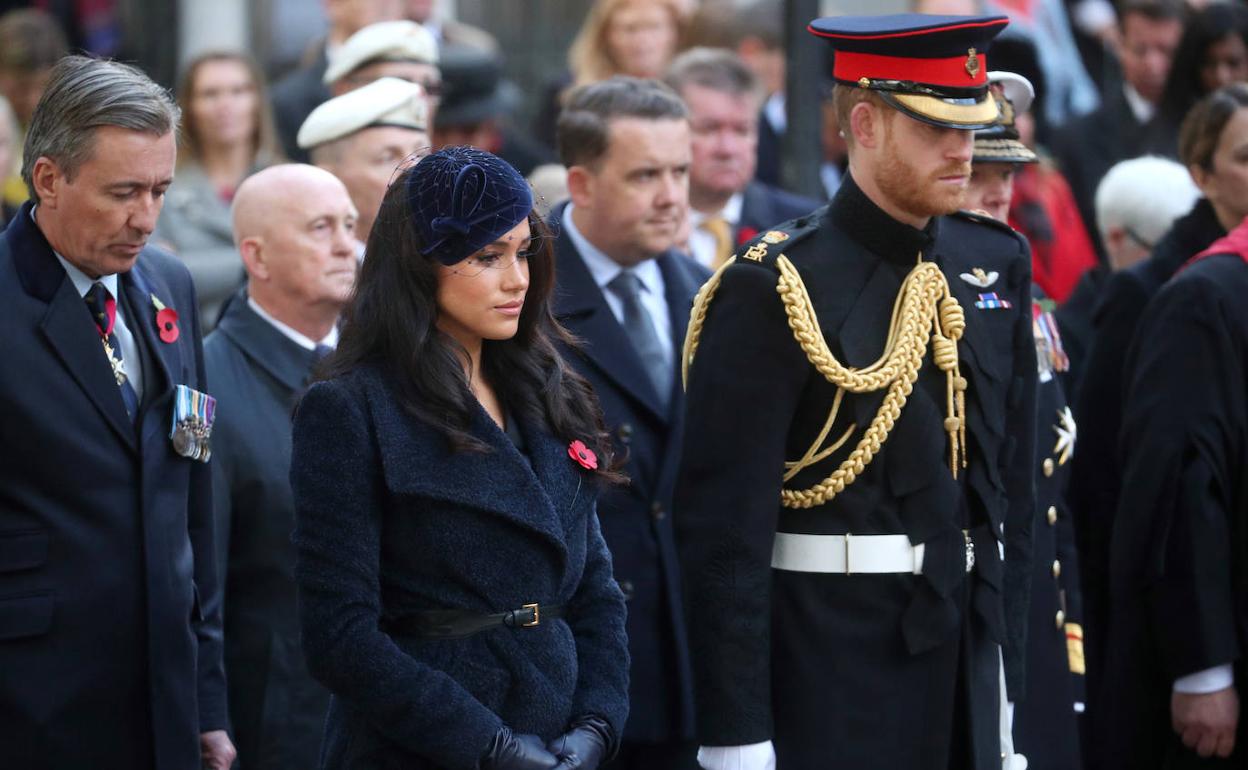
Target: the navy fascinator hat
(463, 199)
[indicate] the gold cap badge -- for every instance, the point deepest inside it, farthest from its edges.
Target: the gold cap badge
(972, 63)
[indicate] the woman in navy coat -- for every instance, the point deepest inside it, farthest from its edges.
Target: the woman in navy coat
(456, 594)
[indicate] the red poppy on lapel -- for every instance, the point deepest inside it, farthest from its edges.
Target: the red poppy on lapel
(583, 455)
(166, 321)
(746, 234)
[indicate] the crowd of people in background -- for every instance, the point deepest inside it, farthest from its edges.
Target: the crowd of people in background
(1137, 125)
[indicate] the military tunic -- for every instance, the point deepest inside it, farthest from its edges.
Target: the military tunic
(859, 671)
(1046, 729)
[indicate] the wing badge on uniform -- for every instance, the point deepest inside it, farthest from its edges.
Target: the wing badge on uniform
(977, 277)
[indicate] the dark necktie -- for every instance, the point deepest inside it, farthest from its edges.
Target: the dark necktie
(639, 327)
(104, 311)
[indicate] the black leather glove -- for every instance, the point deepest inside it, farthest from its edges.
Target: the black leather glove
(508, 751)
(588, 744)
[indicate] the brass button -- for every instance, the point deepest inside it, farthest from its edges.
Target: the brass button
(1057, 568)
(656, 510)
(1052, 514)
(1048, 466)
(1061, 620)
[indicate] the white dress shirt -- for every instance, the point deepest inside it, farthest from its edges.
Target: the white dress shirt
(302, 340)
(1141, 108)
(604, 270)
(131, 362)
(702, 243)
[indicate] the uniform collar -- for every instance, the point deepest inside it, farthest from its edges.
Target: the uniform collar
(871, 226)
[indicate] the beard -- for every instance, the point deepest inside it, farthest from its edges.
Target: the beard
(913, 192)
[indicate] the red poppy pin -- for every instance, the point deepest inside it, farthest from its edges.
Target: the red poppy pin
(746, 234)
(166, 321)
(583, 455)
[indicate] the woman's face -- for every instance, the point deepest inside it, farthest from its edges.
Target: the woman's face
(223, 103)
(480, 298)
(641, 37)
(1226, 185)
(1225, 62)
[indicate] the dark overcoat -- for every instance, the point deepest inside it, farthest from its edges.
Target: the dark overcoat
(390, 521)
(1179, 549)
(637, 519)
(764, 206)
(277, 710)
(110, 624)
(858, 671)
(1096, 473)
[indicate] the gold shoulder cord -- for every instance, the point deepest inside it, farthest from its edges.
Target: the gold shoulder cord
(924, 310)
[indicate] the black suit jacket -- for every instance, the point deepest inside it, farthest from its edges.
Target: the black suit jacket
(637, 520)
(276, 709)
(293, 98)
(110, 624)
(764, 206)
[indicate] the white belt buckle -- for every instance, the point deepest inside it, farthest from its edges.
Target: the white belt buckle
(848, 571)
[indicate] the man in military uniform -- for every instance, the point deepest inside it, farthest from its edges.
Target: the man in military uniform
(1052, 665)
(860, 432)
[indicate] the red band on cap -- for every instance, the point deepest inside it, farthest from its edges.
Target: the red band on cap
(952, 72)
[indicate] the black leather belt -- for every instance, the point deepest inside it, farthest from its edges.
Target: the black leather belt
(456, 624)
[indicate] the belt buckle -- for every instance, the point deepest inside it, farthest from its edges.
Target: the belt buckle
(970, 550)
(537, 615)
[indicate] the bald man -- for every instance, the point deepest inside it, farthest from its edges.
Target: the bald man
(294, 228)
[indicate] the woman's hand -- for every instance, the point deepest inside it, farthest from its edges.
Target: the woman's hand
(508, 751)
(585, 746)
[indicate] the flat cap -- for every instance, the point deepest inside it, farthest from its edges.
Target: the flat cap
(384, 102)
(387, 41)
(933, 68)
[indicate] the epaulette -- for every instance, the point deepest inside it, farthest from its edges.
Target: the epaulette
(983, 218)
(768, 247)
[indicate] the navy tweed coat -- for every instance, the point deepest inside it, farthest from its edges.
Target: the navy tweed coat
(390, 521)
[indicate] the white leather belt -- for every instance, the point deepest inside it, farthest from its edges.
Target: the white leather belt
(846, 554)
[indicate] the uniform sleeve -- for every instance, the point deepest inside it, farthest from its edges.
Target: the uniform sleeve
(209, 581)
(339, 511)
(1183, 426)
(1018, 474)
(742, 393)
(596, 617)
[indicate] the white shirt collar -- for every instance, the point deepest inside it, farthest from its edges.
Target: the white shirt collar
(774, 111)
(603, 268)
(307, 343)
(1141, 108)
(82, 282)
(731, 211)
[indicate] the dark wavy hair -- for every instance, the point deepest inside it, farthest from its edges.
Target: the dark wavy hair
(1184, 86)
(391, 324)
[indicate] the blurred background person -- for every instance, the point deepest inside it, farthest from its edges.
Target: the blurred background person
(9, 151)
(1212, 141)
(477, 107)
(727, 207)
(618, 37)
(363, 137)
(625, 291)
(30, 43)
(295, 227)
(1087, 146)
(1212, 53)
(448, 31)
(1136, 204)
(226, 134)
(297, 94)
(550, 186)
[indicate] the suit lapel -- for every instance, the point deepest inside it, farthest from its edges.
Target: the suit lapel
(67, 323)
(582, 308)
(265, 346)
